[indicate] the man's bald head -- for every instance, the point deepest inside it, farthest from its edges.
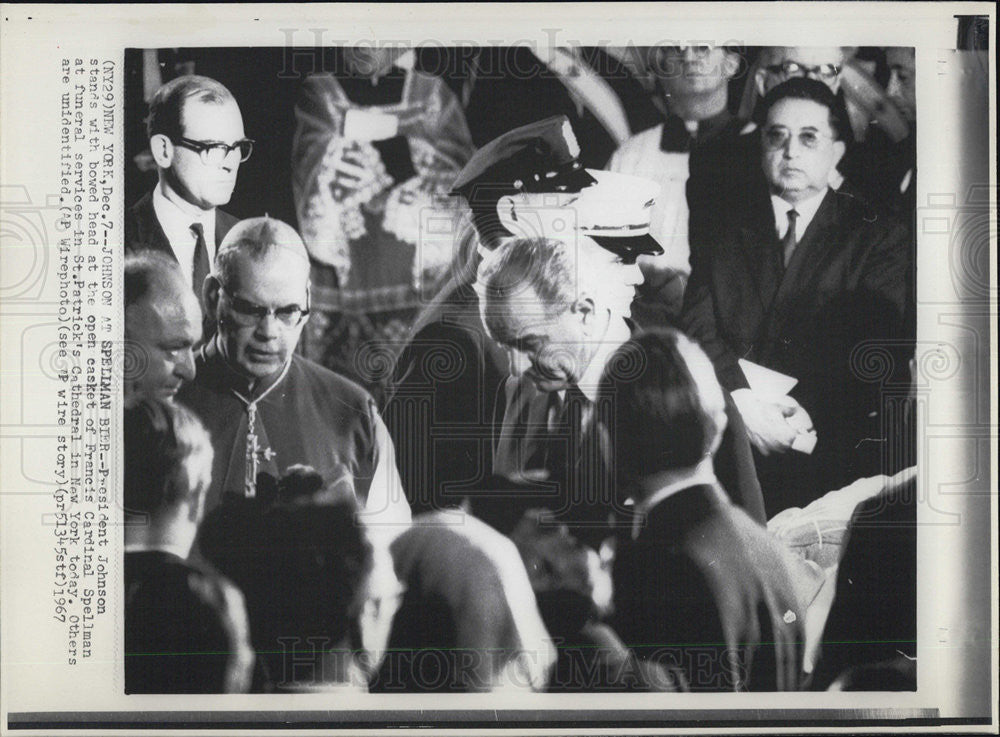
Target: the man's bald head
(259, 295)
(162, 326)
(256, 239)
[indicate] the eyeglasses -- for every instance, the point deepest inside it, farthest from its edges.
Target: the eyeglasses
(249, 314)
(794, 69)
(696, 49)
(214, 153)
(777, 138)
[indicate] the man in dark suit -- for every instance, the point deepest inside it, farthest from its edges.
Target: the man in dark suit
(450, 377)
(560, 307)
(196, 138)
(186, 627)
(162, 326)
(698, 585)
(814, 287)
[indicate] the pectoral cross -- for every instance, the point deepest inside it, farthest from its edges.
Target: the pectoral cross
(255, 454)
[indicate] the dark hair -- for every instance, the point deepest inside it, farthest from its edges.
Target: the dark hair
(659, 418)
(160, 438)
(166, 109)
(803, 88)
(143, 269)
(302, 563)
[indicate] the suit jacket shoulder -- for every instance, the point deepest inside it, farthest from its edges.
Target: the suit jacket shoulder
(142, 229)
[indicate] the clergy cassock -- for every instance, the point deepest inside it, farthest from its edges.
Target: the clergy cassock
(306, 415)
(663, 153)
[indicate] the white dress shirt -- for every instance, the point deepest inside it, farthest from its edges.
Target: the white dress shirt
(806, 210)
(176, 223)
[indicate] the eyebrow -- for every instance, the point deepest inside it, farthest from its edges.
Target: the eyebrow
(785, 127)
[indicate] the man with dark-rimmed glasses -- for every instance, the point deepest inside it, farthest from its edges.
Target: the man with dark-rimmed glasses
(268, 409)
(197, 140)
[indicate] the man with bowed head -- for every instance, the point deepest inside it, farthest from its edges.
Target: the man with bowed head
(267, 408)
(162, 326)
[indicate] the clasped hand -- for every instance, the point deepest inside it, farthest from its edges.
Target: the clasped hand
(773, 422)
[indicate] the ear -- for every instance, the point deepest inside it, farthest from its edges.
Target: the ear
(758, 77)
(308, 301)
(162, 149)
(839, 148)
(210, 295)
(507, 212)
(730, 64)
(585, 309)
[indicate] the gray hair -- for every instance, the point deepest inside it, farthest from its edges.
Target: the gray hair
(545, 266)
(149, 272)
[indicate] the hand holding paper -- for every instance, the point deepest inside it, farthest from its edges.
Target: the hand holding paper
(775, 422)
(766, 422)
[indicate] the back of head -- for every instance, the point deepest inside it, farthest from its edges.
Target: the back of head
(166, 109)
(256, 238)
(667, 407)
(168, 458)
(305, 575)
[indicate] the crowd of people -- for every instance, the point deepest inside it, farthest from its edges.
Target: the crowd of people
(596, 378)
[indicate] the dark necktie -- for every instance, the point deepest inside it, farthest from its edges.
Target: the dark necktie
(201, 266)
(789, 241)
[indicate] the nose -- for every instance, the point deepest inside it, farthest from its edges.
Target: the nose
(634, 275)
(691, 53)
(184, 368)
(267, 327)
(893, 88)
(232, 160)
(791, 147)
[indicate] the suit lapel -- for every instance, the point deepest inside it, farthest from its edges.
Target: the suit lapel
(812, 250)
(223, 224)
(150, 234)
(810, 257)
(760, 252)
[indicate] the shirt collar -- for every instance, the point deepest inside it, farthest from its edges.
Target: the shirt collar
(701, 477)
(806, 210)
(176, 220)
(237, 382)
(616, 335)
(169, 548)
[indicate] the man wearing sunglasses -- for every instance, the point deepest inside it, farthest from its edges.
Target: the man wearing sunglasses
(813, 285)
(197, 141)
(268, 409)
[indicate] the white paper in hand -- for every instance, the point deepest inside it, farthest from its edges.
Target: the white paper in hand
(765, 381)
(365, 126)
(805, 442)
